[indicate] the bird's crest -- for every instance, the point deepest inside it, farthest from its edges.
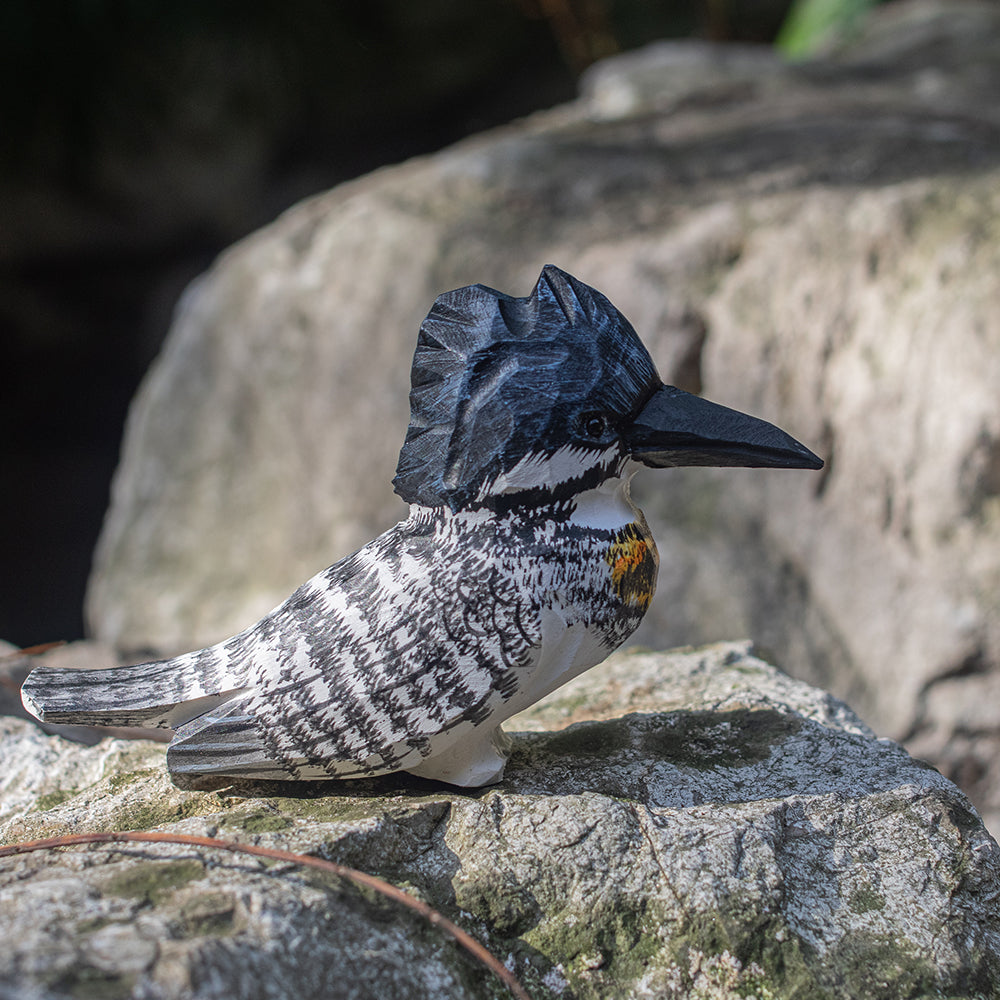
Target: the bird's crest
(496, 379)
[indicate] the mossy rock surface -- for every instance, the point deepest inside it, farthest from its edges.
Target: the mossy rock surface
(756, 842)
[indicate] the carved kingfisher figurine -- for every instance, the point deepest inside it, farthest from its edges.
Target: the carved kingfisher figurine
(523, 561)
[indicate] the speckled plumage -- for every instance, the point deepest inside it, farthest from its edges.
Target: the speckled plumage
(522, 562)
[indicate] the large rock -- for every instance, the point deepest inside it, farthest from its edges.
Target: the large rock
(736, 834)
(818, 244)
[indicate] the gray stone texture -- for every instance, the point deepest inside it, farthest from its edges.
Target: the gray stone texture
(685, 825)
(817, 244)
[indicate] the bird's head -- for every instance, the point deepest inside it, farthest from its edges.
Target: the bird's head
(540, 398)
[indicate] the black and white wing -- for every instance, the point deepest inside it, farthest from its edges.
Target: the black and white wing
(380, 662)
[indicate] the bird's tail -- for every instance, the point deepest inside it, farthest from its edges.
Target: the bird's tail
(160, 694)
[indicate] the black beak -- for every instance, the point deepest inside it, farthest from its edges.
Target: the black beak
(676, 428)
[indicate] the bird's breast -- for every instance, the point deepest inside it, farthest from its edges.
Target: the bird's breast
(633, 562)
(623, 546)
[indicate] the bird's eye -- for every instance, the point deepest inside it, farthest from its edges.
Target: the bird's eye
(594, 425)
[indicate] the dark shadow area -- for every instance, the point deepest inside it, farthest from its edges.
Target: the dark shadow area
(671, 760)
(399, 785)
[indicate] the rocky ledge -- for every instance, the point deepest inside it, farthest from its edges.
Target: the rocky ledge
(687, 824)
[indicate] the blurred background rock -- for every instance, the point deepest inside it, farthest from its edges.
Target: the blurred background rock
(141, 138)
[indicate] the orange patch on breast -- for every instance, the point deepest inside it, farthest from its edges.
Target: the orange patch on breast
(634, 562)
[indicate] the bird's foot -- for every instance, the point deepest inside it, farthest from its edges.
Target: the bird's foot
(470, 763)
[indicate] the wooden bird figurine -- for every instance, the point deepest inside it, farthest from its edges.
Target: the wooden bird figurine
(522, 563)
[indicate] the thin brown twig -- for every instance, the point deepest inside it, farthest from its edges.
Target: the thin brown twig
(466, 941)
